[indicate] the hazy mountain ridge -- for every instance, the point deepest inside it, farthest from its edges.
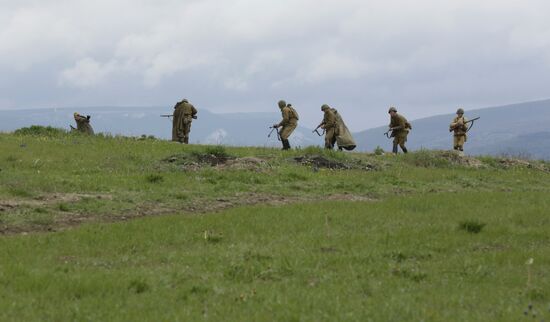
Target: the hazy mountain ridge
(518, 129)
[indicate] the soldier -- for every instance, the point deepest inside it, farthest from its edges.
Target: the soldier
(400, 129)
(458, 125)
(343, 136)
(184, 113)
(329, 124)
(288, 123)
(83, 124)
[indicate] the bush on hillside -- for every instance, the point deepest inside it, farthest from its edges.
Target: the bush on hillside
(39, 130)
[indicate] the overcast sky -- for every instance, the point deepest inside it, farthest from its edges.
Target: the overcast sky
(425, 56)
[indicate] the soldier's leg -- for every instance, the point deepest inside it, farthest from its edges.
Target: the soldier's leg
(460, 143)
(286, 145)
(395, 145)
(402, 141)
(284, 134)
(329, 134)
(187, 130)
(455, 142)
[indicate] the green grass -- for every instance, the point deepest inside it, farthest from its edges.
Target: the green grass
(401, 259)
(433, 237)
(103, 177)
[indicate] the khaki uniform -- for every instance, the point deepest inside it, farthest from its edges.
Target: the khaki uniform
(401, 129)
(289, 122)
(330, 125)
(184, 112)
(458, 126)
(83, 124)
(343, 136)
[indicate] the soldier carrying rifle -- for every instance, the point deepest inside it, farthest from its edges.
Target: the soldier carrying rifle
(288, 123)
(184, 114)
(460, 128)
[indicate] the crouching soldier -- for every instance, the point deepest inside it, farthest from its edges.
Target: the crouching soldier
(83, 124)
(400, 128)
(288, 124)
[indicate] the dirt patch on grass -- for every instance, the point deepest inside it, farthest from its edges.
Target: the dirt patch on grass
(65, 220)
(195, 162)
(519, 163)
(319, 161)
(49, 199)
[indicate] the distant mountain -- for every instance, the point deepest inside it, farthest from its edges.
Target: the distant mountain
(238, 129)
(514, 130)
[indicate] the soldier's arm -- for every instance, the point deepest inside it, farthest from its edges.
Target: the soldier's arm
(399, 125)
(286, 117)
(193, 112)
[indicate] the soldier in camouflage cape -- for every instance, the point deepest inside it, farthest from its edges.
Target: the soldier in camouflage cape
(344, 139)
(184, 113)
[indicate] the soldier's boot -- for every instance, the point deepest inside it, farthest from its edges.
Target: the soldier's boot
(404, 149)
(286, 144)
(394, 150)
(186, 140)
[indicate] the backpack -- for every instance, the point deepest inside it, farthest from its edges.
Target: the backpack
(294, 114)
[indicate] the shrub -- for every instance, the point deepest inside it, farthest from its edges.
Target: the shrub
(471, 226)
(38, 130)
(426, 159)
(138, 286)
(378, 150)
(218, 151)
(154, 178)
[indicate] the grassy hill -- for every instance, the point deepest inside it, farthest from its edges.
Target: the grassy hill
(115, 228)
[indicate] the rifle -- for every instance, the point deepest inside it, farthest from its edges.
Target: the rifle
(387, 133)
(469, 121)
(274, 129)
(169, 115)
(317, 130)
(72, 128)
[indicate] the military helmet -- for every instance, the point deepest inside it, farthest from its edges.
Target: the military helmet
(324, 107)
(392, 109)
(281, 103)
(460, 111)
(185, 100)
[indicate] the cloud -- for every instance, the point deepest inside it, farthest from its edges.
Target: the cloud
(86, 73)
(425, 56)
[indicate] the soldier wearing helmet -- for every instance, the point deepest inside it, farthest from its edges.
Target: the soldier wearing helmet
(83, 124)
(184, 113)
(400, 128)
(458, 126)
(329, 124)
(288, 124)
